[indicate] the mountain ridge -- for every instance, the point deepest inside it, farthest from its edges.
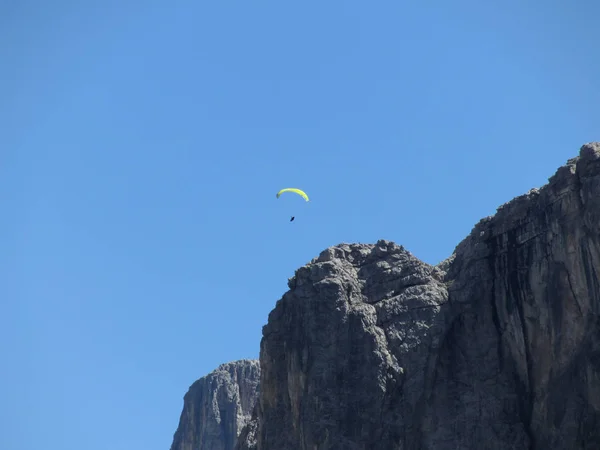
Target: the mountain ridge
(373, 348)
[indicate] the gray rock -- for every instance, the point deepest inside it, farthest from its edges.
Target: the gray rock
(346, 350)
(520, 367)
(497, 347)
(217, 406)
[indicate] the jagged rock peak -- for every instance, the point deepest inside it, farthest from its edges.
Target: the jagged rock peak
(577, 176)
(357, 253)
(366, 263)
(217, 407)
(338, 346)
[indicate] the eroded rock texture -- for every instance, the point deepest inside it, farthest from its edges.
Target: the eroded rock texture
(344, 354)
(217, 406)
(520, 364)
(496, 348)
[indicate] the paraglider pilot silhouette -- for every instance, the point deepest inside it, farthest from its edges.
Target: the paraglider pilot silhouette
(295, 191)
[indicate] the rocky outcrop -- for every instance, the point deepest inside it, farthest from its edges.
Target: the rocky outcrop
(498, 347)
(520, 366)
(217, 406)
(344, 353)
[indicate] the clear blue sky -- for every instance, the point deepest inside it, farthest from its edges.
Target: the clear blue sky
(142, 144)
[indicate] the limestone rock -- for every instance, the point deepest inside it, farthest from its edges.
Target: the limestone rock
(217, 406)
(341, 357)
(496, 348)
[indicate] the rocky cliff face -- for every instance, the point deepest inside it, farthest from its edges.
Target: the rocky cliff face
(217, 406)
(520, 367)
(497, 347)
(346, 350)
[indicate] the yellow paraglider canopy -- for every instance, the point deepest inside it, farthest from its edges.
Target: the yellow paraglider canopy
(294, 190)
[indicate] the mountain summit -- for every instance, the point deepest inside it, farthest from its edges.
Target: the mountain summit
(496, 348)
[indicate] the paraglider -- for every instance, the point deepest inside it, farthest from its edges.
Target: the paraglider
(295, 191)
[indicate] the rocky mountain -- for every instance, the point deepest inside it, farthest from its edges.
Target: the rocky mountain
(498, 347)
(217, 406)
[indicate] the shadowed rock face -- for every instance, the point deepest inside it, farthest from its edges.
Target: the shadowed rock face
(217, 406)
(498, 347)
(521, 359)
